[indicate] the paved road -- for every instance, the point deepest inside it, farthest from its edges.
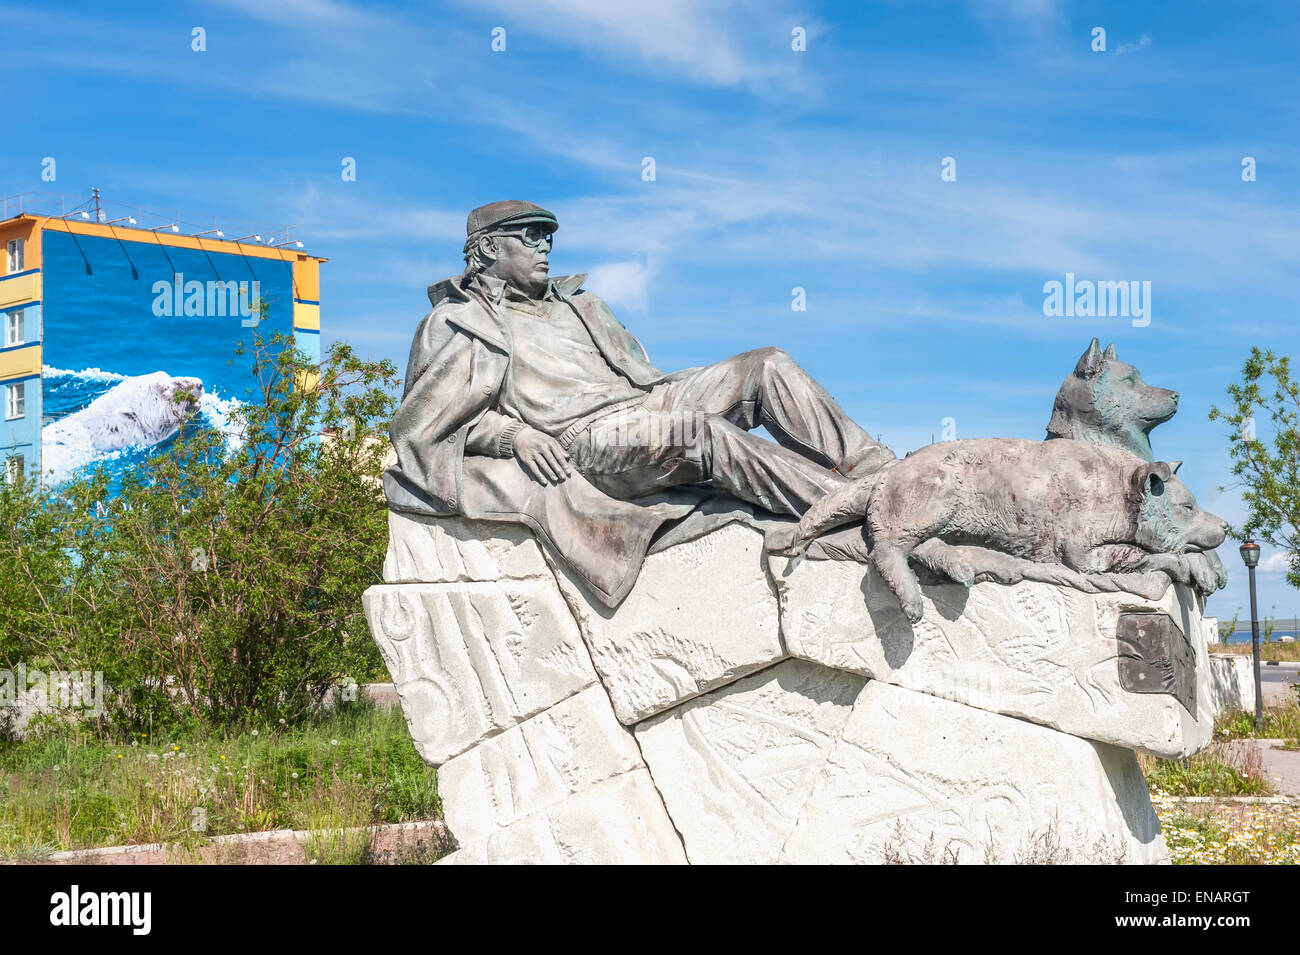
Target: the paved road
(1277, 686)
(1281, 673)
(1276, 683)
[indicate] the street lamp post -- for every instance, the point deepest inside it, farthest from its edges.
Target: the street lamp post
(1250, 557)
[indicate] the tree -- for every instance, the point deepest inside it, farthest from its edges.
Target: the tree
(223, 584)
(1269, 473)
(47, 556)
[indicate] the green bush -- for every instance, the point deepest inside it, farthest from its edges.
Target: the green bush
(215, 586)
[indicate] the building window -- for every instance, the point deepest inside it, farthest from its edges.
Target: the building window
(15, 468)
(14, 331)
(14, 256)
(16, 401)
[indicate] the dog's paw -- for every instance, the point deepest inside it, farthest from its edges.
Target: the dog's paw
(961, 572)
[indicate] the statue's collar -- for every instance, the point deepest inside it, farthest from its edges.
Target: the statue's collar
(481, 321)
(456, 288)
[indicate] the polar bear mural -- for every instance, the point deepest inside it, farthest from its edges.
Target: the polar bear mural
(140, 411)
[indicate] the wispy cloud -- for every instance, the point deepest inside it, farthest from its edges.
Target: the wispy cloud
(706, 41)
(622, 284)
(337, 215)
(1142, 43)
(303, 13)
(1278, 562)
(1036, 17)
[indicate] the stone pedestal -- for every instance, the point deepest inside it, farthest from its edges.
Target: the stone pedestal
(736, 708)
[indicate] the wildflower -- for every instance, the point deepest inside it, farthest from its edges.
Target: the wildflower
(254, 732)
(334, 742)
(295, 775)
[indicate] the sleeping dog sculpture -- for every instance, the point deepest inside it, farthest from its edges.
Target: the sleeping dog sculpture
(1067, 510)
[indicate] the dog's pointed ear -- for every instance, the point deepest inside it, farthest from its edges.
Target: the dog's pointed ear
(1149, 478)
(1175, 465)
(1090, 363)
(1110, 352)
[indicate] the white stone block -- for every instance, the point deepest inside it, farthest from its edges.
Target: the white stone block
(1232, 682)
(456, 549)
(472, 659)
(568, 748)
(1036, 651)
(915, 778)
(701, 615)
(620, 821)
(735, 766)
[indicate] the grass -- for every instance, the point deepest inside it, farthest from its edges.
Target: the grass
(1282, 652)
(1218, 770)
(1280, 722)
(68, 789)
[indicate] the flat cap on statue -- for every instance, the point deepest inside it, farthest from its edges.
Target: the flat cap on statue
(507, 212)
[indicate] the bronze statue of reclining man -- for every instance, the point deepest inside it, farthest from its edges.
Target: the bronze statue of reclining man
(560, 385)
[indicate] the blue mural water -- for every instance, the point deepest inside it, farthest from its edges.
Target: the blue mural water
(129, 326)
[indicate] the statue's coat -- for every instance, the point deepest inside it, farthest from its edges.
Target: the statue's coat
(445, 435)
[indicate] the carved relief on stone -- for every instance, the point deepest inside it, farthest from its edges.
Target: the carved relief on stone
(914, 778)
(736, 765)
(683, 629)
(1036, 651)
(472, 659)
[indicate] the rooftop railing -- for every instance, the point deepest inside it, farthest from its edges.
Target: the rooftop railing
(128, 215)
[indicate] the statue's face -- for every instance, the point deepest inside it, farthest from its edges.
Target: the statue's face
(522, 258)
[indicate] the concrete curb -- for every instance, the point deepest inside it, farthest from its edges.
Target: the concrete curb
(1240, 800)
(404, 841)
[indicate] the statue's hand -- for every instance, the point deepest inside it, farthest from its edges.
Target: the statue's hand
(542, 456)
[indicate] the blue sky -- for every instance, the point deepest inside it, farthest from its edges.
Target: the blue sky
(774, 169)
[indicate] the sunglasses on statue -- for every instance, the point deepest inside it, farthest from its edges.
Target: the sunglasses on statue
(532, 235)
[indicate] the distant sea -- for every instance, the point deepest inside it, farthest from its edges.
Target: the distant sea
(1243, 636)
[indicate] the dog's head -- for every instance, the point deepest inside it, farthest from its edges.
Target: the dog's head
(1105, 401)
